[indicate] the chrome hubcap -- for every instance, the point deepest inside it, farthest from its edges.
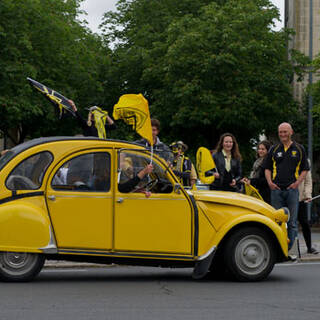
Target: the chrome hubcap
(15, 259)
(252, 254)
(17, 263)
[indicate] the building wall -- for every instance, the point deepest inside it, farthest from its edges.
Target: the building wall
(297, 17)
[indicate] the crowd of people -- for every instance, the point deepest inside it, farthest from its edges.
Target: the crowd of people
(281, 172)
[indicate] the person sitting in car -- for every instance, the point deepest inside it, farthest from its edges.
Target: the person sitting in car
(132, 180)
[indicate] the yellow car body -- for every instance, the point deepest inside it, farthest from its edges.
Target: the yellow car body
(40, 217)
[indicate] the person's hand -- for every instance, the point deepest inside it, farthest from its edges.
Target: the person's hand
(233, 183)
(216, 175)
(147, 194)
(294, 185)
(73, 106)
(307, 200)
(245, 181)
(3, 152)
(273, 186)
(148, 169)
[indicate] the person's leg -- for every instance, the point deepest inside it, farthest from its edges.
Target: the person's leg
(277, 200)
(292, 202)
(303, 220)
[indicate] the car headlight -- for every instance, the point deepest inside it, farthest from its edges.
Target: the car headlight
(282, 215)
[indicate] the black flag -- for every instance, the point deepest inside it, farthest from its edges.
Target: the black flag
(54, 97)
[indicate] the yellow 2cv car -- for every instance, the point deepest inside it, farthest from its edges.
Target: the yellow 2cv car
(81, 199)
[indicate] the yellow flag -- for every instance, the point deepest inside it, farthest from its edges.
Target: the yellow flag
(133, 109)
(252, 191)
(204, 164)
(100, 117)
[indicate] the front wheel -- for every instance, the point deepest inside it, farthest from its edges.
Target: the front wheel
(249, 254)
(20, 266)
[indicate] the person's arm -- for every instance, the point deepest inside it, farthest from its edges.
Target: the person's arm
(129, 185)
(304, 170)
(272, 185)
(237, 174)
(193, 175)
(110, 125)
(83, 123)
(295, 185)
(215, 170)
(268, 165)
(307, 192)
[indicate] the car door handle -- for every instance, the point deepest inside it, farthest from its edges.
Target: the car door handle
(120, 200)
(52, 198)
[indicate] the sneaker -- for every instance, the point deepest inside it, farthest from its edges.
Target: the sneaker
(312, 251)
(292, 258)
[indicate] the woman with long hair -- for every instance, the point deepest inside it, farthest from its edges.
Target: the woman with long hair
(257, 177)
(228, 164)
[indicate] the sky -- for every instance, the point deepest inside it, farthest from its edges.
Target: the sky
(96, 8)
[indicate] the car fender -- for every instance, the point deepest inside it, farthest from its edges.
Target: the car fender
(275, 228)
(24, 227)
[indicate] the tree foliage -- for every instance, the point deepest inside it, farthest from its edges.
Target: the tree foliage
(207, 67)
(43, 39)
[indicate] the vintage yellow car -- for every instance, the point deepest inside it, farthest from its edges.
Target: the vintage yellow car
(79, 199)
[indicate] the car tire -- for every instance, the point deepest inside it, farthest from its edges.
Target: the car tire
(249, 254)
(20, 266)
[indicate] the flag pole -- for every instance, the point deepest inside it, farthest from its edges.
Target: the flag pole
(151, 154)
(314, 198)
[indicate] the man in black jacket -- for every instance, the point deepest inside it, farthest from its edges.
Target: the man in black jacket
(286, 167)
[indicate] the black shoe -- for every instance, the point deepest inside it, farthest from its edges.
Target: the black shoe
(313, 251)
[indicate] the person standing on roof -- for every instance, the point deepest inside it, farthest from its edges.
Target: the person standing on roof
(286, 166)
(89, 126)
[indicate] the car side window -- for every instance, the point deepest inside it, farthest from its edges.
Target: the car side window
(130, 164)
(87, 172)
(29, 173)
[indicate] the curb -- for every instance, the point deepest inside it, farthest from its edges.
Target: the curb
(83, 265)
(310, 258)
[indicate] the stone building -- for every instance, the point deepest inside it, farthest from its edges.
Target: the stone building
(297, 17)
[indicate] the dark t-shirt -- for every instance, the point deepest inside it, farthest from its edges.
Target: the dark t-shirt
(285, 166)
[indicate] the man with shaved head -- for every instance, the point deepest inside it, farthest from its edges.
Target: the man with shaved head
(285, 168)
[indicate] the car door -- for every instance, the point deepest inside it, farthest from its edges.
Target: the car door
(79, 199)
(161, 223)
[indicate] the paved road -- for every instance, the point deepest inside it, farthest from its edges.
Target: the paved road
(291, 292)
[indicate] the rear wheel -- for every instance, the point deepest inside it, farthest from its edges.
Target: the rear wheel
(249, 254)
(20, 266)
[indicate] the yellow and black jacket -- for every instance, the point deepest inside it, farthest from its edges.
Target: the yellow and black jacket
(286, 165)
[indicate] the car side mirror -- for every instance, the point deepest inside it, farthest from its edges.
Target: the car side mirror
(177, 188)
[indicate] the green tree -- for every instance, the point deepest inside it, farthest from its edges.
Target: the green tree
(44, 40)
(207, 67)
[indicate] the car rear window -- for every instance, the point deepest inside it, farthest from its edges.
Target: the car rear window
(6, 158)
(29, 173)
